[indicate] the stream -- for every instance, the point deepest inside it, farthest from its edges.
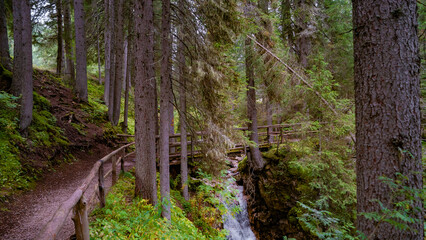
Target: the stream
(238, 224)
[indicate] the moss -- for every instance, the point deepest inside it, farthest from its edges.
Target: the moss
(6, 73)
(11, 175)
(40, 102)
(242, 166)
(43, 130)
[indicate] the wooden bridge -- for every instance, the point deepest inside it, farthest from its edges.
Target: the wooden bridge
(80, 205)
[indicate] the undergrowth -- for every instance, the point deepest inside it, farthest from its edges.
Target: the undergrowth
(126, 218)
(43, 133)
(11, 176)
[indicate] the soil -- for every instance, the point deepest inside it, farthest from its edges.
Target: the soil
(24, 215)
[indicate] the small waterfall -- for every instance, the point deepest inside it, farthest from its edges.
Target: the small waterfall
(239, 224)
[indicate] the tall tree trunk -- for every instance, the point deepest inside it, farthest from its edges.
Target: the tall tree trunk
(256, 159)
(125, 60)
(287, 31)
(118, 52)
(266, 77)
(130, 66)
(172, 121)
(303, 40)
(157, 6)
(145, 109)
(107, 35)
(165, 106)
(4, 40)
(80, 52)
(59, 56)
(182, 117)
(70, 71)
(22, 83)
(99, 60)
(387, 110)
(268, 106)
(113, 52)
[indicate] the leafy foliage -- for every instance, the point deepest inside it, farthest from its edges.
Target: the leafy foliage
(127, 218)
(323, 225)
(403, 208)
(10, 166)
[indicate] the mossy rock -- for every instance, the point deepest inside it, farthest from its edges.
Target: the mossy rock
(242, 166)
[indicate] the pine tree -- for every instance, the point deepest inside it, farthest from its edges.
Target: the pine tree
(22, 83)
(145, 109)
(387, 109)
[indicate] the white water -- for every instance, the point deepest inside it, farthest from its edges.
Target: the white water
(239, 224)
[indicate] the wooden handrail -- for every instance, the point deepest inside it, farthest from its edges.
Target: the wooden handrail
(52, 228)
(177, 135)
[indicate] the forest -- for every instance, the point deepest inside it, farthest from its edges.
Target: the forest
(212, 119)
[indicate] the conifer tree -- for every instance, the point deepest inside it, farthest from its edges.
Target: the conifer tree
(387, 111)
(22, 83)
(145, 109)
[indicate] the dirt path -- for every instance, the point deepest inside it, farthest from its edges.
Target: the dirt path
(29, 212)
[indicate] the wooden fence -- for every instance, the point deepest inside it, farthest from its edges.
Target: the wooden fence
(269, 134)
(79, 204)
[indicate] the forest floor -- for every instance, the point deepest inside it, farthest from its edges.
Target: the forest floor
(26, 213)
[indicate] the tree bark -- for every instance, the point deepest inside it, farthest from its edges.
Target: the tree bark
(99, 61)
(112, 9)
(268, 106)
(303, 39)
(165, 106)
(182, 117)
(387, 90)
(22, 83)
(145, 109)
(117, 80)
(267, 60)
(80, 51)
(129, 68)
(70, 71)
(256, 159)
(59, 55)
(5, 60)
(107, 36)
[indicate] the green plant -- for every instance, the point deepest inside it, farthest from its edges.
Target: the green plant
(126, 218)
(403, 205)
(323, 225)
(11, 175)
(43, 130)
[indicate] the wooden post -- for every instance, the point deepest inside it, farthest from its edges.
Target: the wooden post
(81, 220)
(192, 147)
(101, 185)
(114, 169)
(268, 135)
(279, 140)
(122, 160)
